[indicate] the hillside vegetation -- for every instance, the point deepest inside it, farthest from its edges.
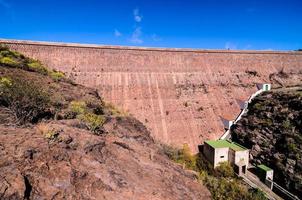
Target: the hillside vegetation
(272, 129)
(60, 140)
(222, 182)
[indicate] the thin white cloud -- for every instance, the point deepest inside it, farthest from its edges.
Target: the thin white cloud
(136, 36)
(155, 38)
(230, 45)
(117, 33)
(137, 16)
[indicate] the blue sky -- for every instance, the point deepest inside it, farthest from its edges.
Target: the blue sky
(206, 24)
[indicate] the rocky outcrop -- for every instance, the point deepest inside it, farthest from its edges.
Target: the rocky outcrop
(272, 129)
(124, 164)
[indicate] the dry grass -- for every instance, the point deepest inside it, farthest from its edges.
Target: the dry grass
(47, 131)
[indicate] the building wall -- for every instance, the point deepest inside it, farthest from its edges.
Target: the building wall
(178, 94)
(219, 152)
(242, 155)
(209, 153)
(270, 175)
(231, 156)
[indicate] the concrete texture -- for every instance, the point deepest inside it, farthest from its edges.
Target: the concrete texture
(179, 94)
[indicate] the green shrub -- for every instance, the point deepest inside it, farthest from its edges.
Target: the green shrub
(25, 99)
(92, 121)
(292, 148)
(15, 59)
(224, 170)
(51, 135)
(267, 122)
(8, 61)
(188, 157)
(114, 111)
(78, 107)
(3, 47)
(10, 54)
(221, 182)
(257, 194)
(182, 156)
(258, 106)
(203, 165)
(96, 106)
(171, 152)
(5, 82)
(229, 189)
(286, 124)
(56, 75)
(37, 66)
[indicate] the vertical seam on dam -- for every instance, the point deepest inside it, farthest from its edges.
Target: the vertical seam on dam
(161, 108)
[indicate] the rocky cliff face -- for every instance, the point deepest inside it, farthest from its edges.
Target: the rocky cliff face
(272, 129)
(59, 140)
(180, 95)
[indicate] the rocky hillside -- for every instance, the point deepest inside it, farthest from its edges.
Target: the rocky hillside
(59, 140)
(272, 129)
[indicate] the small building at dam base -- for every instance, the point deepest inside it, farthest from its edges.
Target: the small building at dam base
(217, 151)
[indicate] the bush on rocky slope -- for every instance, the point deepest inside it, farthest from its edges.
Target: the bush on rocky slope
(14, 59)
(25, 99)
(32, 97)
(272, 129)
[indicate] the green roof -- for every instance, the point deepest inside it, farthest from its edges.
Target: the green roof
(225, 144)
(264, 167)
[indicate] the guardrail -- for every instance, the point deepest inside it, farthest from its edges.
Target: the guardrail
(285, 192)
(227, 134)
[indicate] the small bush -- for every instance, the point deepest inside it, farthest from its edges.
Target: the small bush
(3, 47)
(267, 122)
(286, 124)
(171, 152)
(16, 60)
(224, 170)
(114, 111)
(37, 66)
(5, 82)
(47, 132)
(257, 194)
(96, 106)
(292, 148)
(25, 99)
(258, 106)
(92, 121)
(182, 156)
(188, 157)
(56, 75)
(7, 61)
(78, 107)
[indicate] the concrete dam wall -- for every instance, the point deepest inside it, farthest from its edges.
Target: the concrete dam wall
(181, 95)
